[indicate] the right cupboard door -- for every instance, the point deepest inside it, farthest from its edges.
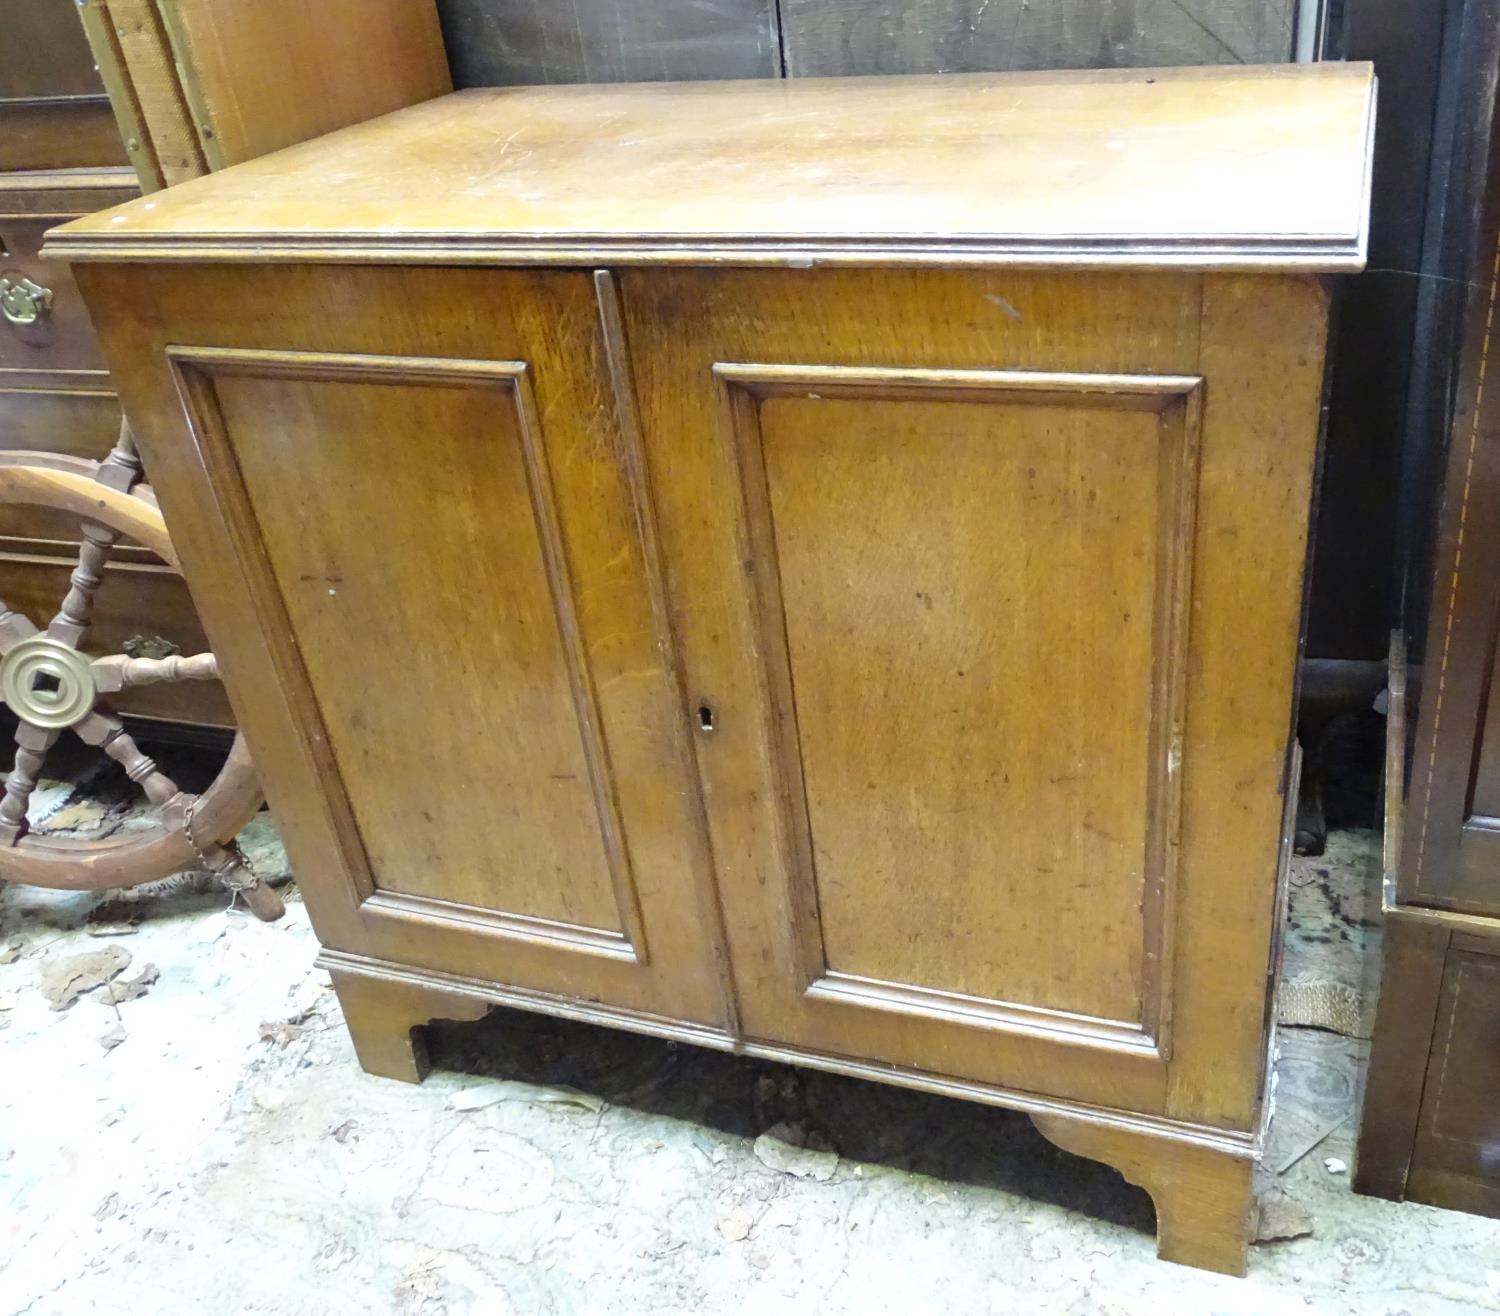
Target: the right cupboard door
(986, 592)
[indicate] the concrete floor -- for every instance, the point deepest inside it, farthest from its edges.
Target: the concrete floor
(212, 1147)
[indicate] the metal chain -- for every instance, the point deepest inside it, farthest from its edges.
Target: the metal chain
(237, 875)
(187, 831)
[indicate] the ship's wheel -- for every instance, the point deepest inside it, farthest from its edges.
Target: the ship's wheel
(52, 686)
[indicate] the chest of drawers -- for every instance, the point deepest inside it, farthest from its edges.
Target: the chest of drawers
(54, 113)
(806, 568)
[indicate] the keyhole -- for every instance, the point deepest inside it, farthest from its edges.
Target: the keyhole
(705, 718)
(45, 683)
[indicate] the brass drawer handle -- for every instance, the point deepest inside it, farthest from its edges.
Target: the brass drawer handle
(24, 302)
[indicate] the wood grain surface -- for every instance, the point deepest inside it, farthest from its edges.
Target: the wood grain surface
(1201, 167)
(146, 66)
(261, 74)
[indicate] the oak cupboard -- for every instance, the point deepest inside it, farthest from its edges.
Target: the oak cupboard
(840, 542)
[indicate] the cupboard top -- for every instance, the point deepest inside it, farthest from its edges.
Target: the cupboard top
(1221, 168)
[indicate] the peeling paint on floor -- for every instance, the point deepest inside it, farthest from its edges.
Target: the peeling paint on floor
(209, 1145)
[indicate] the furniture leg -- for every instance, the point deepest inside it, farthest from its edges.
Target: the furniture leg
(1204, 1196)
(387, 1019)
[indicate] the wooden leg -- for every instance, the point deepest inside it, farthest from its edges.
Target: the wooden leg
(387, 1017)
(1205, 1198)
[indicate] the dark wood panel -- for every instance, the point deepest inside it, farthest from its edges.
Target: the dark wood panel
(513, 42)
(46, 53)
(828, 37)
(1455, 202)
(1475, 884)
(1431, 1126)
(71, 134)
(1354, 562)
(67, 191)
(53, 110)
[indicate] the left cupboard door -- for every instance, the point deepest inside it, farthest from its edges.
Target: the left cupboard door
(408, 510)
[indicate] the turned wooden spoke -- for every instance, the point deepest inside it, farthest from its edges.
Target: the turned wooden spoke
(105, 730)
(76, 614)
(120, 471)
(13, 628)
(122, 468)
(120, 672)
(32, 744)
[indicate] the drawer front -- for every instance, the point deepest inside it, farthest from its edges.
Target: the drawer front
(47, 52)
(60, 336)
(135, 603)
(987, 588)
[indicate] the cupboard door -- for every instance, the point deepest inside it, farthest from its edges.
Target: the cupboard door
(441, 640)
(934, 545)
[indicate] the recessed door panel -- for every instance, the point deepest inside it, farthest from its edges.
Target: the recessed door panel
(440, 651)
(976, 590)
(969, 593)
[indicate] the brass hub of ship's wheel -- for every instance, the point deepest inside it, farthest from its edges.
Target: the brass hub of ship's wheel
(52, 686)
(47, 683)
